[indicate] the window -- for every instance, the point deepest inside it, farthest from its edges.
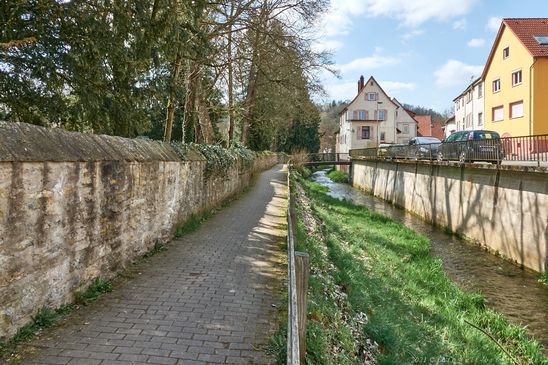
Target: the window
(498, 113)
(382, 114)
(469, 120)
(383, 134)
(366, 133)
(506, 53)
(406, 128)
(516, 77)
(361, 114)
(480, 118)
(542, 39)
(480, 90)
(496, 86)
(371, 96)
(516, 109)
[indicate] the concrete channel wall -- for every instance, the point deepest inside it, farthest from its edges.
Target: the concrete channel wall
(75, 206)
(504, 209)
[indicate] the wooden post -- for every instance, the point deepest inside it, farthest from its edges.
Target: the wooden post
(302, 274)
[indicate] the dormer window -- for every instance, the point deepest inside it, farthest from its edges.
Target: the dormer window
(542, 39)
(506, 53)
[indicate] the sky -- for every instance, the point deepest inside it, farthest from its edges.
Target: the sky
(423, 52)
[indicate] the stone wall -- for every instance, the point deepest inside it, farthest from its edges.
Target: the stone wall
(77, 206)
(504, 209)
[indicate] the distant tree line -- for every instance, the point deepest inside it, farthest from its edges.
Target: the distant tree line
(167, 69)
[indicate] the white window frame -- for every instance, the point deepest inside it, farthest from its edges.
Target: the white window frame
(515, 73)
(493, 111)
(504, 51)
(496, 82)
(383, 114)
(372, 97)
(511, 106)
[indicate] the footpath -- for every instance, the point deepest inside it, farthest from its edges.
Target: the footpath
(210, 298)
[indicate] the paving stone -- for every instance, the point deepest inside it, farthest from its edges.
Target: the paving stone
(206, 300)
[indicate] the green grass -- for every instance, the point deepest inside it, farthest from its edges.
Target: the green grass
(156, 249)
(97, 287)
(192, 224)
(543, 278)
(416, 314)
(338, 176)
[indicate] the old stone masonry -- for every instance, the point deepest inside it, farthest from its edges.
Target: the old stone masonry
(210, 298)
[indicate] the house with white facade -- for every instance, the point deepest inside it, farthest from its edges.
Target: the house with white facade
(406, 125)
(373, 118)
(450, 126)
(469, 107)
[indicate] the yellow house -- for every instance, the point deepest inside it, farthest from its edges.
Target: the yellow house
(516, 79)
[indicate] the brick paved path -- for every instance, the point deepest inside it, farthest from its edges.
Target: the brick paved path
(208, 299)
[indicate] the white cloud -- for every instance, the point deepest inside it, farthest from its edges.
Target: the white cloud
(342, 90)
(363, 64)
(327, 45)
(459, 24)
(345, 90)
(493, 23)
(455, 73)
(392, 86)
(338, 19)
(476, 43)
(412, 34)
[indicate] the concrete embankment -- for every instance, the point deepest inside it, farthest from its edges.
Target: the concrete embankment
(504, 208)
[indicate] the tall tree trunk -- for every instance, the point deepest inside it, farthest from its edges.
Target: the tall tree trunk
(248, 104)
(190, 97)
(230, 82)
(204, 121)
(171, 98)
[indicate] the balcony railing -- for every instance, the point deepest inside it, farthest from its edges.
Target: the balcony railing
(526, 150)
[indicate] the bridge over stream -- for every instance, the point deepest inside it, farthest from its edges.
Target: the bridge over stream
(331, 158)
(210, 298)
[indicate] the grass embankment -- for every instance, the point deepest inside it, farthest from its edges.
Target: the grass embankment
(365, 263)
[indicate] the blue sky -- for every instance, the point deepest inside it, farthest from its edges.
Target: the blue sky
(423, 52)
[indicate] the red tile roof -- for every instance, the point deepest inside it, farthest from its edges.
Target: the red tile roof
(424, 127)
(526, 29)
(429, 128)
(437, 130)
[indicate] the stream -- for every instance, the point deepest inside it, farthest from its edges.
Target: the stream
(510, 290)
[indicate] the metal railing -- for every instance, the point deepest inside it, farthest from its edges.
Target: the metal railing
(328, 157)
(525, 150)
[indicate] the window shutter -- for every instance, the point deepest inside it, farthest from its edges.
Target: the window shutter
(372, 133)
(375, 114)
(366, 115)
(359, 131)
(355, 115)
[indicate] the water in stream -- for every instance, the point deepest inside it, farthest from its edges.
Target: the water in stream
(514, 292)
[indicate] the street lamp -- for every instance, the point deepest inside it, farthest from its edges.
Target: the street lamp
(378, 125)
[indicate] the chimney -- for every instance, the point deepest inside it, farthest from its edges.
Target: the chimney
(360, 83)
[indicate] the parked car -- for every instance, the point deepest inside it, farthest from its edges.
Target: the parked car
(423, 148)
(417, 148)
(395, 151)
(470, 146)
